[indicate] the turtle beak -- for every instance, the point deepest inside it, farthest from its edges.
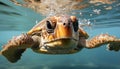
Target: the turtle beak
(63, 30)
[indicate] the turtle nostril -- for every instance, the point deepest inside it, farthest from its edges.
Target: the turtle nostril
(69, 24)
(64, 24)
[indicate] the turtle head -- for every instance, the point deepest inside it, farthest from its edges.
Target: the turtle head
(58, 31)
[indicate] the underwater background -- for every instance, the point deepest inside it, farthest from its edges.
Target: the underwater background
(15, 20)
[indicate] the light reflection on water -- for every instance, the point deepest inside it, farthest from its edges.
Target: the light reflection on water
(12, 24)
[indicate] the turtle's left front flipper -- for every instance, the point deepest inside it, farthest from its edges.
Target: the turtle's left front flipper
(112, 41)
(16, 46)
(114, 46)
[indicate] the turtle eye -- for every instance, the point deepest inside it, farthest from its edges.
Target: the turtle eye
(75, 25)
(49, 27)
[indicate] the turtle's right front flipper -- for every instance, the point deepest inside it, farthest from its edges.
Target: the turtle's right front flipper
(16, 46)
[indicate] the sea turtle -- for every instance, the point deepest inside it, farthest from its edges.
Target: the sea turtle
(56, 35)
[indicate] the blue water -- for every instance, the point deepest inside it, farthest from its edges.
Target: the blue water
(15, 20)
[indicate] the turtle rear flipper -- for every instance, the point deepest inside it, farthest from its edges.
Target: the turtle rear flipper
(16, 46)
